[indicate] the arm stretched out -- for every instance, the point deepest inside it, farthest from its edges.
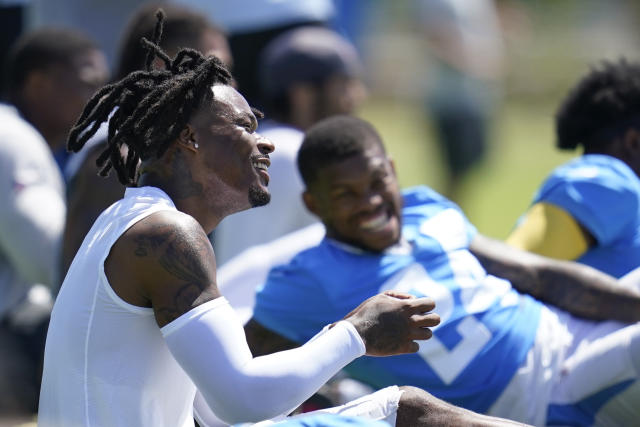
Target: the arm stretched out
(174, 273)
(581, 290)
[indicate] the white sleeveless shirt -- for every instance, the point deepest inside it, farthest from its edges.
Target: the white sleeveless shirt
(106, 363)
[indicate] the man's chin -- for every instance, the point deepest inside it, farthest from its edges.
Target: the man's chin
(258, 196)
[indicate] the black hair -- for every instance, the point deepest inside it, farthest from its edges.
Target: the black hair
(602, 105)
(148, 109)
(39, 50)
(332, 140)
(182, 28)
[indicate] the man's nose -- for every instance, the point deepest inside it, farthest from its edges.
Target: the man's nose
(370, 201)
(265, 145)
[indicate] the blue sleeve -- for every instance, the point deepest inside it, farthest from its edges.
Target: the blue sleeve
(602, 200)
(429, 202)
(291, 304)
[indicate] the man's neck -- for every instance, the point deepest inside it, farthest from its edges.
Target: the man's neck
(187, 199)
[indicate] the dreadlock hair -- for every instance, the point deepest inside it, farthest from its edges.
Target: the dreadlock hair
(601, 107)
(332, 140)
(148, 108)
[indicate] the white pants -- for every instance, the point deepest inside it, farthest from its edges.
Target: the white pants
(581, 371)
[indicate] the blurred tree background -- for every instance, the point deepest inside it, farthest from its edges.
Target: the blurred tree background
(548, 46)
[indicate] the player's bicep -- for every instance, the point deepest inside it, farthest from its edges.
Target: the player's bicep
(171, 265)
(551, 231)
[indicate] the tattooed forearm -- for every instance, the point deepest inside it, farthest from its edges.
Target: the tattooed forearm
(578, 289)
(588, 293)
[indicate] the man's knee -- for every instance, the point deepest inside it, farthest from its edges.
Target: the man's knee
(415, 407)
(419, 408)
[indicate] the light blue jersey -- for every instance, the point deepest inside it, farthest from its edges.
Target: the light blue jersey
(487, 327)
(603, 194)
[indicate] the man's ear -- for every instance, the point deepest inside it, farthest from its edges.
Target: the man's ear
(310, 202)
(187, 138)
(393, 164)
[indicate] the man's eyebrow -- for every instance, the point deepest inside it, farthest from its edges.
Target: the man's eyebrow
(258, 113)
(248, 117)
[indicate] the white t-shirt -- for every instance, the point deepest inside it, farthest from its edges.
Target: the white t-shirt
(32, 212)
(106, 363)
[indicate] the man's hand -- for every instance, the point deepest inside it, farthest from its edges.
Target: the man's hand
(389, 323)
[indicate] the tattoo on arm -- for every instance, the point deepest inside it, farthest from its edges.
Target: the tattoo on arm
(581, 290)
(182, 254)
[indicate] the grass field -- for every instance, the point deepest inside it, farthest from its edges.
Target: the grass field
(495, 193)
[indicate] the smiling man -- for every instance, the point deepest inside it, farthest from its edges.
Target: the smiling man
(497, 349)
(139, 326)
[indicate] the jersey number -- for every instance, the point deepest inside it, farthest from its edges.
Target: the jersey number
(446, 363)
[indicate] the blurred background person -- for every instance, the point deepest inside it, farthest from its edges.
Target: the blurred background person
(465, 48)
(89, 194)
(588, 209)
(306, 74)
(50, 75)
(544, 45)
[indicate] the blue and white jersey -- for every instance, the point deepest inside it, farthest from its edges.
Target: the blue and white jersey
(487, 327)
(603, 194)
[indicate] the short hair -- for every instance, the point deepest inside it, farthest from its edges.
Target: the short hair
(182, 28)
(148, 109)
(332, 140)
(602, 105)
(308, 54)
(40, 49)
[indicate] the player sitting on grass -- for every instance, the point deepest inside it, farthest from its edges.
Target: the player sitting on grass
(498, 348)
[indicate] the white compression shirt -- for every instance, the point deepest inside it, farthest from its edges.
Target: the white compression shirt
(108, 364)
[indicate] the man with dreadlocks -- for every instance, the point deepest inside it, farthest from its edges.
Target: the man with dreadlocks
(182, 27)
(139, 324)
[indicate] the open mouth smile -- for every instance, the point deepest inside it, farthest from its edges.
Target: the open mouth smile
(376, 223)
(261, 165)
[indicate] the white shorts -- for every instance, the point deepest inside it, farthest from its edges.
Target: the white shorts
(379, 406)
(578, 372)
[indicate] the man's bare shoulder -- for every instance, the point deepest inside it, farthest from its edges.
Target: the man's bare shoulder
(155, 223)
(165, 261)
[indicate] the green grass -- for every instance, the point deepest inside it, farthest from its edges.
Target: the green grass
(494, 194)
